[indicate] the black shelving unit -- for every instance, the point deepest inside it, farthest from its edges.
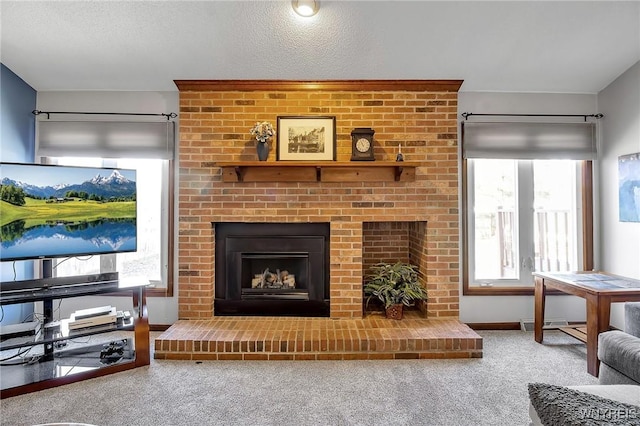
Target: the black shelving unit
(44, 371)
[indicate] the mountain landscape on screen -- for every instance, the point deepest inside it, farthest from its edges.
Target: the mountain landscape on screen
(115, 185)
(61, 211)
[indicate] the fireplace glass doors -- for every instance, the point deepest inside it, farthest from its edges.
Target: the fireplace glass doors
(272, 269)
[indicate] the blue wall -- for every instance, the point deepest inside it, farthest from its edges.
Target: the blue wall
(17, 144)
(17, 123)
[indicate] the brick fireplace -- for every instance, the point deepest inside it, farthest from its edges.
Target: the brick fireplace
(369, 220)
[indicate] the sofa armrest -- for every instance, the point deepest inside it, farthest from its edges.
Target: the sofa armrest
(620, 351)
(632, 318)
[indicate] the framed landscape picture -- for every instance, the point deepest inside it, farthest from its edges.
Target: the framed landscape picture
(307, 138)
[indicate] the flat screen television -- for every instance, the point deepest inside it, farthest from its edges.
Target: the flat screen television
(50, 211)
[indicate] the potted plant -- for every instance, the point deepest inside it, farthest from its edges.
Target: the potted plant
(396, 285)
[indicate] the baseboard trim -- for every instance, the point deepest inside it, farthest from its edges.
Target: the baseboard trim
(159, 327)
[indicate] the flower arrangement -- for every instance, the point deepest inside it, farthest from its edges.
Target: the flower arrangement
(262, 131)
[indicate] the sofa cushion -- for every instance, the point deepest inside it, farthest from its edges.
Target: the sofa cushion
(559, 405)
(620, 351)
(609, 376)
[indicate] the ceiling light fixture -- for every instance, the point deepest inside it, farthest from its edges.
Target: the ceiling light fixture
(305, 8)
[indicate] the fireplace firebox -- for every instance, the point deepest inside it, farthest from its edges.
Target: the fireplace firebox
(272, 269)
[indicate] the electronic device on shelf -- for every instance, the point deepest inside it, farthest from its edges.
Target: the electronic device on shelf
(19, 330)
(91, 312)
(107, 279)
(93, 317)
(123, 317)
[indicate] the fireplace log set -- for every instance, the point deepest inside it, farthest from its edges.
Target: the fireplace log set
(279, 279)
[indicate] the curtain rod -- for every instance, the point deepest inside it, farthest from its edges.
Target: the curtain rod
(169, 115)
(466, 115)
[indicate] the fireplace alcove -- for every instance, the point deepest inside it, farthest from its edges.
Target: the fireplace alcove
(250, 260)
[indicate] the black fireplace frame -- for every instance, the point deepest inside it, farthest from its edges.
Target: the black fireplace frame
(230, 303)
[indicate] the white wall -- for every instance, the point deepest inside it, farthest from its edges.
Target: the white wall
(620, 135)
(161, 310)
(487, 309)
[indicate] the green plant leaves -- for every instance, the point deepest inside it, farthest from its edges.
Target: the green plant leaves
(394, 283)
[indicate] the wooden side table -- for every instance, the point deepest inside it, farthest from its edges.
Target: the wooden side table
(600, 289)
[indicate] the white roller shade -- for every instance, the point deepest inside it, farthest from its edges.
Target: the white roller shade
(106, 139)
(529, 141)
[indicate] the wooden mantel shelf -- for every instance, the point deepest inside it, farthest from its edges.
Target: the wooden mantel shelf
(318, 171)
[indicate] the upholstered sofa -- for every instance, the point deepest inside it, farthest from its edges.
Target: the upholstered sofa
(619, 351)
(615, 400)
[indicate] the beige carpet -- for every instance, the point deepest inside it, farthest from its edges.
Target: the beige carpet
(484, 391)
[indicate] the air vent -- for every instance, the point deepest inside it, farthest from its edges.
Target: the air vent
(551, 324)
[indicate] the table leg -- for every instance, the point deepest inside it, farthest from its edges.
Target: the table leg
(539, 298)
(598, 314)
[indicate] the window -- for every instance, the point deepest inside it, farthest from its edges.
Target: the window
(523, 217)
(151, 260)
(148, 147)
(526, 203)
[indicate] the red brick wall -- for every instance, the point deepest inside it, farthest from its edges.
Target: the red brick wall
(384, 242)
(214, 126)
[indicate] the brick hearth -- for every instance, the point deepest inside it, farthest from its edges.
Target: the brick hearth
(374, 337)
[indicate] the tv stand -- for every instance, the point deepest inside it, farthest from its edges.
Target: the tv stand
(52, 339)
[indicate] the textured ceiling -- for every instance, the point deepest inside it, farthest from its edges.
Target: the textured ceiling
(544, 46)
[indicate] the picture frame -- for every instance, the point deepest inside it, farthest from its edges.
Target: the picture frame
(306, 138)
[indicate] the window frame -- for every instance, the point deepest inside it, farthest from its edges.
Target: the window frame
(520, 290)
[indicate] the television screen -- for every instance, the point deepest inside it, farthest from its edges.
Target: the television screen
(49, 211)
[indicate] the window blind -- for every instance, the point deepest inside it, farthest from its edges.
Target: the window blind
(529, 140)
(106, 139)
